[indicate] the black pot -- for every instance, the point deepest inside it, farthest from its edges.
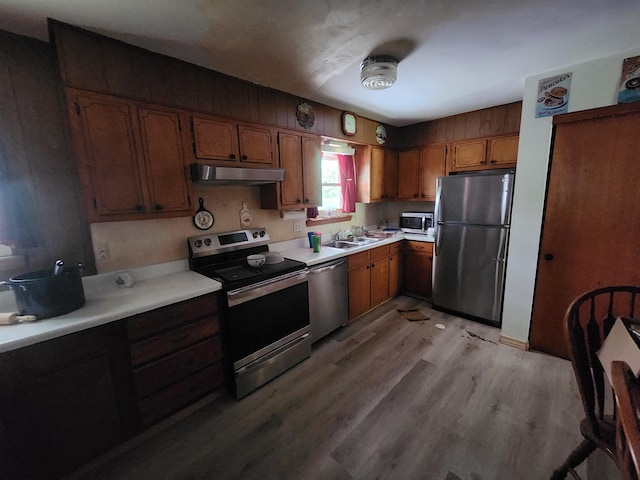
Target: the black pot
(45, 295)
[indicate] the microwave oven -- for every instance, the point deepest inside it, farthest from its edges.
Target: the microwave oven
(416, 222)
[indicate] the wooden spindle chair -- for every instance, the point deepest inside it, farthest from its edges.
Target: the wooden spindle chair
(588, 321)
(627, 393)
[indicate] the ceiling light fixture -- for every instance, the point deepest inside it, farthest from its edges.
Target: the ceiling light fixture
(378, 72)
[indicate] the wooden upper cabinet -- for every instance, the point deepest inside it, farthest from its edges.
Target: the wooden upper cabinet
(162, 151)
(432, 165)
(418, 170)
(227, 142)
(376, 174)
(485, 153)
(469, 155)
(503, 151)
(130, 157)
(301, 158)
(409, 174)
(390, 191)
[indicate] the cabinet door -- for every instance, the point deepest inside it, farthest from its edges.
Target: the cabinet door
(432, 166)
(377, 174)
(469, 154)
(290, 160)
(163, 158)
(255, 144)
(503, 151)
(103, 135)
(408, 174)
(359, 291)
(390, 190)
(379, 281)
(417, 272)
(311, 171)
(214, 139)
(395, 269)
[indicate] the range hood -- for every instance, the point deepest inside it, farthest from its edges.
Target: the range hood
(213, 175)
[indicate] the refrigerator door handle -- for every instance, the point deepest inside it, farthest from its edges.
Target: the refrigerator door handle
(436, 215)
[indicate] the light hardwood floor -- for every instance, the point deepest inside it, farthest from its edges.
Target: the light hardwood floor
(382, 398)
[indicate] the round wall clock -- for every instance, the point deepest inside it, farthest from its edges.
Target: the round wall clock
(203, 219)
(349, 126)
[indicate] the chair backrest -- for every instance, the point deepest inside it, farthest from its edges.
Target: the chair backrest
(627, 392)
(588, 321)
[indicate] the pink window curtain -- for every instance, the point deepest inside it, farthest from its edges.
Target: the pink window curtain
(347, 182)
(16, 211)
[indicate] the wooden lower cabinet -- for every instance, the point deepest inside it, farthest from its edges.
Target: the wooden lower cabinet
(64, 402)
(418, 263)
(176, 356)
(374, 277)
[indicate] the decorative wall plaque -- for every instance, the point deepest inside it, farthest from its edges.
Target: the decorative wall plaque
(305, 115)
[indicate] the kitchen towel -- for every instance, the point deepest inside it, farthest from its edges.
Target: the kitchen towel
(413, 315)
(11, 318)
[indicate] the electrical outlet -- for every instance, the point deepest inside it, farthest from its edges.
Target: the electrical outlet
(297, 226)
(102, 250)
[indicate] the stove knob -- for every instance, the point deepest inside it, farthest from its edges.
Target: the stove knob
(262, 233)
(255, 234)
(207, 242)
(198, 243)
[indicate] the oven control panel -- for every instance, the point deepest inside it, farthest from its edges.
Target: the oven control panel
(213, 243)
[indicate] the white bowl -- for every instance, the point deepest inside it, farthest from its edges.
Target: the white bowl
(256, 261)
(273, 257)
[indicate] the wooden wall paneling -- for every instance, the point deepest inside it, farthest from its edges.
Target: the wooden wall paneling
(498, 120)
(156, 71)
(485, 123)
(33, 141)
(459, 127)
(120, 73)
(206, 86)
(439, 131)
(267, 101)
(238, 98)
(321, 116)
(512, 120)
(449, 129)
(80, 57)
(185, 85)
(472, 125)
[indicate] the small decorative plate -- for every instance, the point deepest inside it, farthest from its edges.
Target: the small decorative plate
(203, 219)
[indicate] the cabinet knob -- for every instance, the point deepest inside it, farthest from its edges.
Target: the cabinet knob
(243, 157)
(548, 257)
(373, 265)
(157, 207)
(298, 200)
(306, 200)
(493, 161)
(232, 156)
(139, 208)
(415, 195)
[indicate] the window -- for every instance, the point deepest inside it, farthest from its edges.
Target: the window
(331, 189)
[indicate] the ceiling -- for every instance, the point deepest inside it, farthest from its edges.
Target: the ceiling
(455, 55)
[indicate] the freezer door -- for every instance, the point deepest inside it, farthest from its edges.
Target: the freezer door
(468, 270)
(479, 199)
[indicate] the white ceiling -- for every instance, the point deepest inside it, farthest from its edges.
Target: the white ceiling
(455, 55)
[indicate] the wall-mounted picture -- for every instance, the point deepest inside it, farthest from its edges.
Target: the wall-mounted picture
(553, 95)
(630, 80)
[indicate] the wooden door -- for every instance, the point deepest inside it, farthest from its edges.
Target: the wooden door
(591, 223)
(376, 174)
(290, 160)
(503, 151)
(162, 152)
(408, 174)
(432, 165)
(379, 281)
(390, 190)
(311, 171)
(469, 154)
(255, 144)
(103, 133)
(215, 139)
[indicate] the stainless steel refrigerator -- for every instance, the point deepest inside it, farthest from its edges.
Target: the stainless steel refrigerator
(472, 219)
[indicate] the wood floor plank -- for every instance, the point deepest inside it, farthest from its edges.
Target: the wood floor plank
(381, 398)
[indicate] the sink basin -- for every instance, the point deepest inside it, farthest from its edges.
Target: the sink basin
(355, 242)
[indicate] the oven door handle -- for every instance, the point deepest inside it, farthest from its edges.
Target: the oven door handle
(251, 292)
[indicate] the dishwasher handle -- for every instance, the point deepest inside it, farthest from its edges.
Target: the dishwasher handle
(325, 268)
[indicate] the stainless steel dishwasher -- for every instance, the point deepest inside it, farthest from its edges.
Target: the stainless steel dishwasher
(328, 297)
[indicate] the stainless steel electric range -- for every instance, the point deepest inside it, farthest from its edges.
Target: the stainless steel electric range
(265, 322)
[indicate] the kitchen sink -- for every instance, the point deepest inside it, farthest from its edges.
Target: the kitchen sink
(354, 242)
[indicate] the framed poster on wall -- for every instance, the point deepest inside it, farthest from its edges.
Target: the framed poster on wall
(553, 95)
(629, 90)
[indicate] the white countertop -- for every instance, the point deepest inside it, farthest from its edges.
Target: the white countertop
(298, 249)
(154, 286)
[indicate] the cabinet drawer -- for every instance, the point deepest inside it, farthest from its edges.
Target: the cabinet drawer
(357, 259)
(180, 394)
(155, 321)
(419, 246)
(176, 367)
(172, 341)
(379, 252)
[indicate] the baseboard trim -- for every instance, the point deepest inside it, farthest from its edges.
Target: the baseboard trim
(514, 342)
